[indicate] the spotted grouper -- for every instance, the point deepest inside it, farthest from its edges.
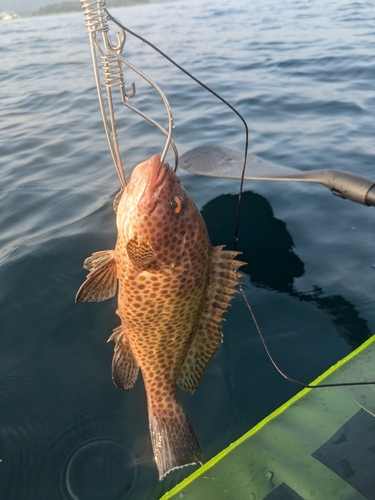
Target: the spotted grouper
(173, 289)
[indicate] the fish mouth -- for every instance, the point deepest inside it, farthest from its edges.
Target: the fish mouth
(152, 176)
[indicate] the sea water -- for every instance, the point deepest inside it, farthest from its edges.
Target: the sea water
(302, 74)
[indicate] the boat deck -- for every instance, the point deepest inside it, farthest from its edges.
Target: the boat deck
(318, 445)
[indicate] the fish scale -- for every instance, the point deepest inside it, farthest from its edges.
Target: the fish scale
(173, 289)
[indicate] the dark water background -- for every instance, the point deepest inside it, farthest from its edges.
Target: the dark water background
(302, 73)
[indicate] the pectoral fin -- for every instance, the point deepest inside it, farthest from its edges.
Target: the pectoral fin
(98, 258)
(101, 283)
(208, 337)
(124, 365)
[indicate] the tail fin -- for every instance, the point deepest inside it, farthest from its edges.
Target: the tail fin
(173, 439)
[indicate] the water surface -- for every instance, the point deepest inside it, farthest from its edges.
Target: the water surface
(302, 73)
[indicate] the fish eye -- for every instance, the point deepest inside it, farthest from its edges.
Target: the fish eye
(176, 203)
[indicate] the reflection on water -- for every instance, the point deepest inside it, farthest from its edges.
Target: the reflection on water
(268, 249)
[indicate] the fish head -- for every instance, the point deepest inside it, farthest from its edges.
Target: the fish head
(156, 218)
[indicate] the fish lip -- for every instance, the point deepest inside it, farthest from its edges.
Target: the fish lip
(158, 179)
(156, 174)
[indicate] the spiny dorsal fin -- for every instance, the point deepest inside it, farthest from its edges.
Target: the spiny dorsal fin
(101, 283)
(208, 337)
(141, 252)
(124, 366)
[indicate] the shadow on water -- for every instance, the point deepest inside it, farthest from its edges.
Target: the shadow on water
(268, 249)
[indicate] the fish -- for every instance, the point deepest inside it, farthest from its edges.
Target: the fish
(173, 289)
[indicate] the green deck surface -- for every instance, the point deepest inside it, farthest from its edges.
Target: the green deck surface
(318, 445)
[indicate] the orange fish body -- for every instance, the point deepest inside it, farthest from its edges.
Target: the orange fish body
(173, 289)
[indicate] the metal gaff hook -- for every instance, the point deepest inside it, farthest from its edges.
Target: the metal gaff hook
(96, 17)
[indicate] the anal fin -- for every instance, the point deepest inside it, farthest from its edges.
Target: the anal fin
(125, 368)
(208, 337)
(101, 283)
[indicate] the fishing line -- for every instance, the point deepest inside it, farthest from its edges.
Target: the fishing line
(359, 404)
(203, 85)
(287, 377)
